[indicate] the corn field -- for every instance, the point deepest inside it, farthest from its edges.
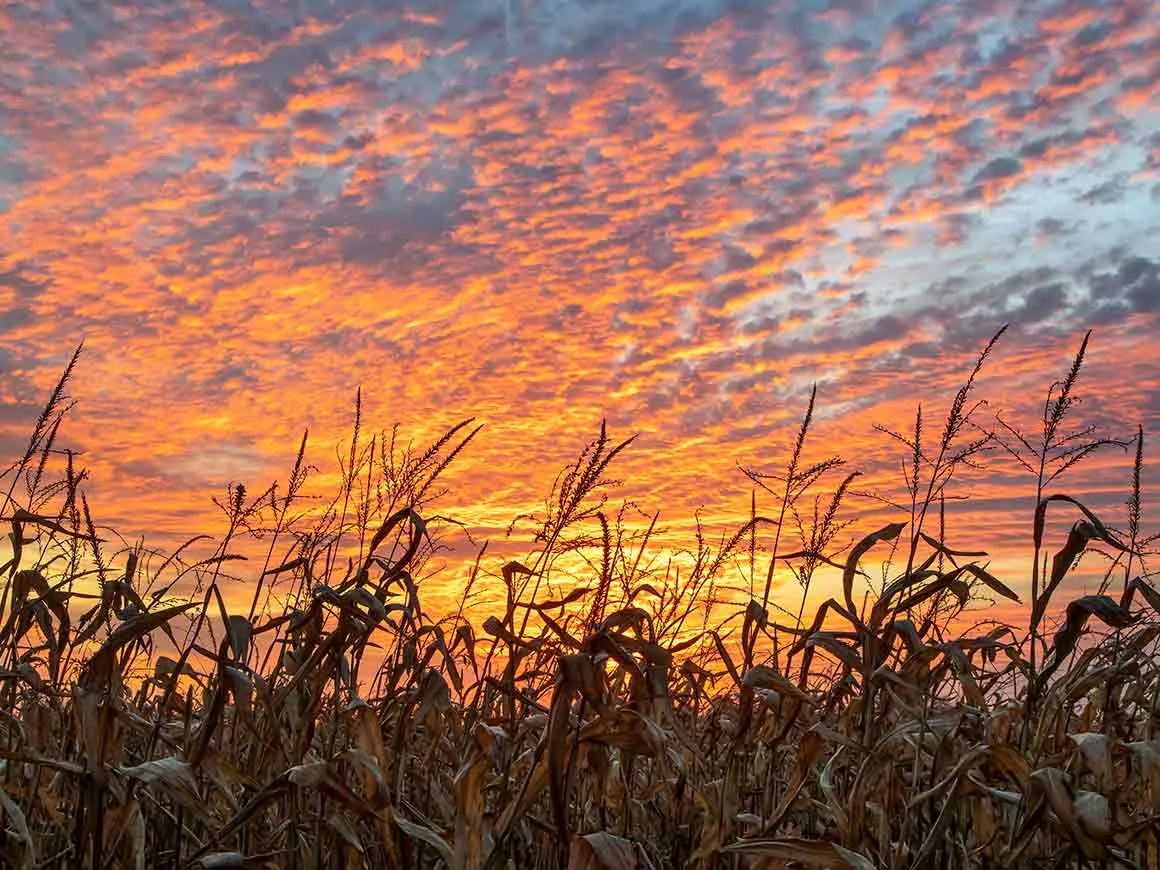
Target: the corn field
(611, 713)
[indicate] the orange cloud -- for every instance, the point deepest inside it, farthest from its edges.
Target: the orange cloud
(677, 226)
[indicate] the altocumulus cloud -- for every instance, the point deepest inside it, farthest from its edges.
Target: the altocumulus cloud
(678, 214)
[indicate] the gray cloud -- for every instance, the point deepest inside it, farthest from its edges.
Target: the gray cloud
(999, 167)
(20, 279)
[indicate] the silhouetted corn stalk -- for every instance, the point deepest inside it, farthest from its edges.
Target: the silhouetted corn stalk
(628, 707)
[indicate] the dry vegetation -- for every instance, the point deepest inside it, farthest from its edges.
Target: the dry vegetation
(612, 714)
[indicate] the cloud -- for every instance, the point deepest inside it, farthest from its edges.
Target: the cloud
(1000, 167)
(676, 214)
(1134, 287)
(19, 280)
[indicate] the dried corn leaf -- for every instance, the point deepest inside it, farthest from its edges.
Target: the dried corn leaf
(221, 860)
(428, 836)
(601, 851)
(810, 853)
(18, 824)
(1096, 753)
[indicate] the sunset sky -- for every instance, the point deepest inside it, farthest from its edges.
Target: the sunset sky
(678, 214)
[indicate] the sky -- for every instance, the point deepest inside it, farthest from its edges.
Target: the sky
(675, 214)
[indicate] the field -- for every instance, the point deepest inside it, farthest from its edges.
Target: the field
(629, 717)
